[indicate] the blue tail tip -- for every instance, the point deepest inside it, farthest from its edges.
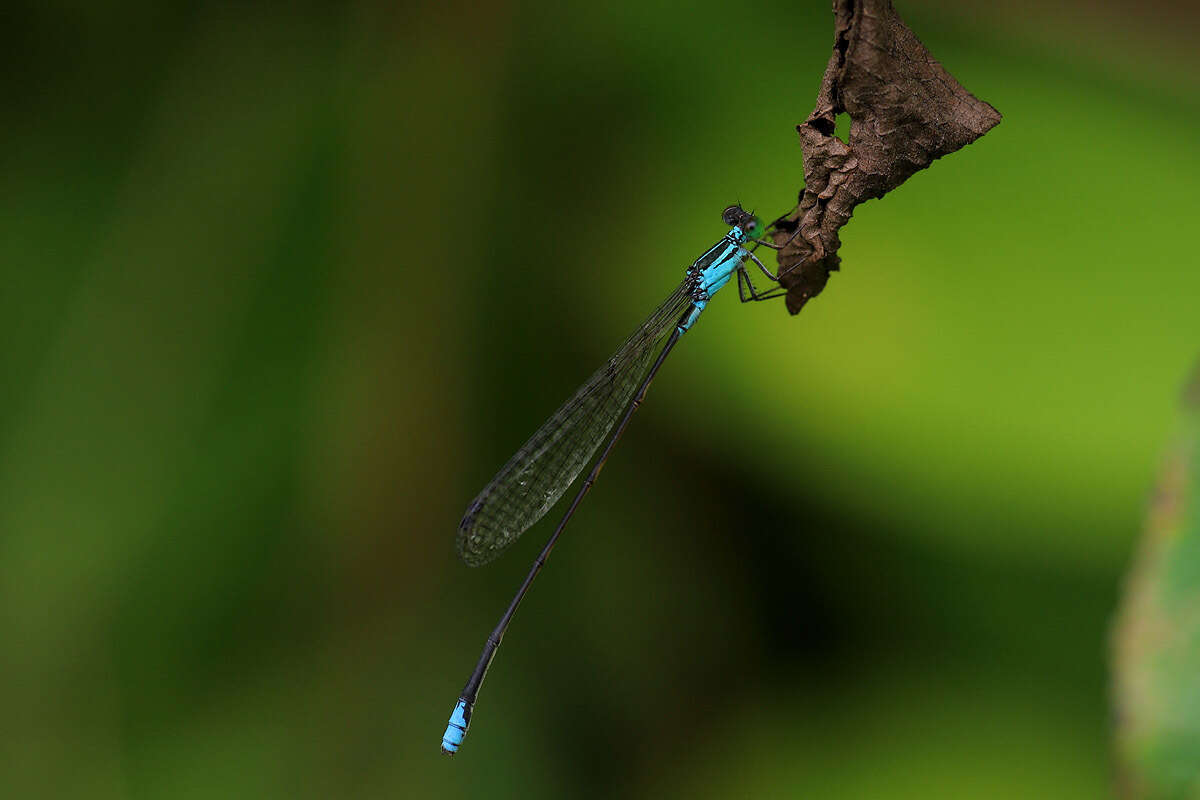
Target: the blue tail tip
(456, 730)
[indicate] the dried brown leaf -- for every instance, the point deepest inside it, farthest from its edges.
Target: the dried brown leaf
(906, 110)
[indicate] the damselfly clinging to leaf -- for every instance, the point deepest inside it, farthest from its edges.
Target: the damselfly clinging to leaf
(542, 470)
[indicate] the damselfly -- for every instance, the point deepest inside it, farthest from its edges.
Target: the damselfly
(542, 470)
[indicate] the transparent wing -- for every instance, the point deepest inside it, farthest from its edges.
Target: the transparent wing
(538, 474)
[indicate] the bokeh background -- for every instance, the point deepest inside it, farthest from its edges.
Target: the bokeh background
(284, 285)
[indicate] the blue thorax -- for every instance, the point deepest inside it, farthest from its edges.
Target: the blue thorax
(713, 270)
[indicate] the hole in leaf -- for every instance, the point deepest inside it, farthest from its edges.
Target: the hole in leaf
(841, 128)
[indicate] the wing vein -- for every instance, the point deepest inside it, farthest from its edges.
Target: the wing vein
(547, 464)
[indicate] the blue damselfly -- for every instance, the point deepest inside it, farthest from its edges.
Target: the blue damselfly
(542, 470)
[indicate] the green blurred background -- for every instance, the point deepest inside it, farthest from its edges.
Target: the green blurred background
(284, 286)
